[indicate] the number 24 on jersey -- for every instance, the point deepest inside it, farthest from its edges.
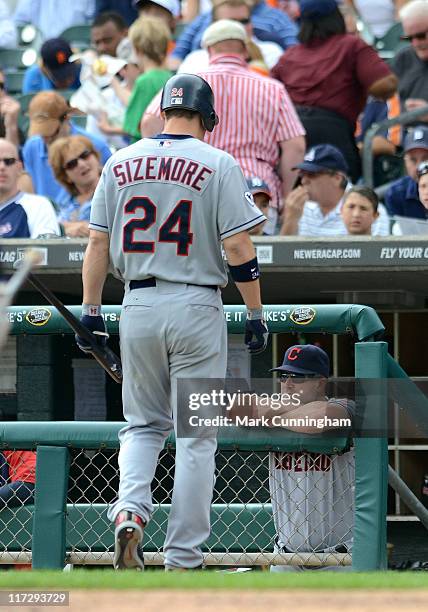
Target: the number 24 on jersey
(175, 229)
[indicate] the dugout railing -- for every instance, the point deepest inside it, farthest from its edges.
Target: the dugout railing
(76, 472)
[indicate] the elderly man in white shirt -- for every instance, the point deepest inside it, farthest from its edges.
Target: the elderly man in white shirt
(314, 207)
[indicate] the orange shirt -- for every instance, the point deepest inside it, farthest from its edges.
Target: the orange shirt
(22, 465)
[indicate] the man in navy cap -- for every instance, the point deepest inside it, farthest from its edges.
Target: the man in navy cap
(55, 71)
(312, 493)
(313, 208)
(402, 197)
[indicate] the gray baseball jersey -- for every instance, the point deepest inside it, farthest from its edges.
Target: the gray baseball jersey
(167, 203)
(174, 236)
(313, 498)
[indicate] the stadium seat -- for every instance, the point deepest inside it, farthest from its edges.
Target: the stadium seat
(391, 42)
(79, 37)
(14, 81)
(19, 58)
(23, 120)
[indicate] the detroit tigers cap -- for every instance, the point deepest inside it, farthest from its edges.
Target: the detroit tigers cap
(223, 29)
(258, 185)
(416, 138)
(314, 9)
(55, 54)
(323, 157)
(173, 6)
(305, 359)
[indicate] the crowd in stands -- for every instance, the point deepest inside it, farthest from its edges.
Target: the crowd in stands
(297, 85)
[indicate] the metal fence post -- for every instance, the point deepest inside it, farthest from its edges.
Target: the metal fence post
(371, 463)
(49, 523)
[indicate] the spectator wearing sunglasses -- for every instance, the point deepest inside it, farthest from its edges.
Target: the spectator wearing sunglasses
(411, 63)
(49, 120)
(312, 493)
(270, 24)
(237, 10)
(76, 165)
(22, 215)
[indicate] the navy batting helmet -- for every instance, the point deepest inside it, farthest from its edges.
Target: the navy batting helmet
(193, 93)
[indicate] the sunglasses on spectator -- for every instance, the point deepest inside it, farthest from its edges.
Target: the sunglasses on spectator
(244, 21)
(8, 161)
(418, 36)
(72, 163)
(287, 375)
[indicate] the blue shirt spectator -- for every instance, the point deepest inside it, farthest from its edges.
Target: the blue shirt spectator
(375, 111)
(8, 35)
(35, 154)
(268, 24)
(72, 210)
(402, 199)
(35, 80)
(52, 17)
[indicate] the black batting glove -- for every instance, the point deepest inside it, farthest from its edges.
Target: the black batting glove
(96, 325)
(255, 326)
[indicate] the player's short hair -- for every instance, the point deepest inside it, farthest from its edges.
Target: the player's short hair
(108, 16)
(57, 152)
(364, 192)
(150, 36)
(180, 113)
(322, 28)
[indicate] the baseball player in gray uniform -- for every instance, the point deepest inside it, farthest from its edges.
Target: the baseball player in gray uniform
(161, 210)
(312, 493)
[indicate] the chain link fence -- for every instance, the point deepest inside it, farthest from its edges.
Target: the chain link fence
(319, 504)
(17, 477)
(268, 508)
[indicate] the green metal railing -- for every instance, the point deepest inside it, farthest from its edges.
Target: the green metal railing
(362, 321)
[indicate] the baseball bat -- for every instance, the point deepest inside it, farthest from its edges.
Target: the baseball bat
(103, 355)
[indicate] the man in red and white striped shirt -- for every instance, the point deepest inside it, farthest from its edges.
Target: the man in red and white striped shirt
(258, 123)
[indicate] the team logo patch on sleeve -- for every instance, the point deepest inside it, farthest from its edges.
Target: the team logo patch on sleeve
(249, 197)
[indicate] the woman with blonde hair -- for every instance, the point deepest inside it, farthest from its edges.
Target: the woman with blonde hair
(76, 165)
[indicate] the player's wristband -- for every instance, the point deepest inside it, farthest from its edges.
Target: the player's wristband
(246, 272)
(93, 310)
(254, 313)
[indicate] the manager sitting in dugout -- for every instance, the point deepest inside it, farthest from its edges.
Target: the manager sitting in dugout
(312, 493)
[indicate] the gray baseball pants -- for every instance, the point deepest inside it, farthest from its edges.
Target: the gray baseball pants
(168, 332)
